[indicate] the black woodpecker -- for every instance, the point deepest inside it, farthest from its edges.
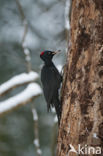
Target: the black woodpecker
(51, 80)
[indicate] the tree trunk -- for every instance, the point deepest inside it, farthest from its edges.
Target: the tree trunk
(82, 99)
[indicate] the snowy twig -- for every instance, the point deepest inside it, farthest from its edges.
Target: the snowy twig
(25, 49)
(54, 132)
(67, 21)
(67, 9)
(36, 132)
(28, 59)
(32, 90)
(54, 136)
(18, 80)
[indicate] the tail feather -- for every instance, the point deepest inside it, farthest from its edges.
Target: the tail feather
(57, 105)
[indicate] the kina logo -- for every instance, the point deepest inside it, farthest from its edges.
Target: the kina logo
(72, 149)
(85, 150)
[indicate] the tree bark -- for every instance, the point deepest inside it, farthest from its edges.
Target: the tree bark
(82, 98)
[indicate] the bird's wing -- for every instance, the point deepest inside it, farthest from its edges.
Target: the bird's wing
(51, 80)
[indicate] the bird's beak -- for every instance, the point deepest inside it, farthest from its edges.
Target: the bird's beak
(56, 52)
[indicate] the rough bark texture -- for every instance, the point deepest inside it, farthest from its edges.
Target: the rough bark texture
(82, 115)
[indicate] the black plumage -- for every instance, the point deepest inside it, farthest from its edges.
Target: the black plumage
(51, 80)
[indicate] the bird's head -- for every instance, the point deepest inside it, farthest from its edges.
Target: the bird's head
(48, 55)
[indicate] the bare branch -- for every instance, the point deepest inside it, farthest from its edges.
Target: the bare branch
(20, 10)
(54, 138)
(54, 133)
(36, 132)
(23, 18)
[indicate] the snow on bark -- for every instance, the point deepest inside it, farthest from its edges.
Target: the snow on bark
(67, 9)
(35, 115)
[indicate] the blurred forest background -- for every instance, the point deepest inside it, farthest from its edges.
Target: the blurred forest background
(46, 30)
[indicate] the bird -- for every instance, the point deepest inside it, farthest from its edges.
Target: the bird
(51, 80)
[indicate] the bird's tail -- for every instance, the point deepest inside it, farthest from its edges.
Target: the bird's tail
(57, 105)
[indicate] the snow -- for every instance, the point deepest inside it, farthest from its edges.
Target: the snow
(59, 67)
(67, 8)
(53, 110)
(35, 116)
(95, 135)
(55, 119)
(39, 151)
(17, 80)
(26, 51)
(32, 90)
(28, 58)
(36, 142)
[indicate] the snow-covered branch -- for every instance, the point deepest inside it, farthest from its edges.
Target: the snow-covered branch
(18, 80)
(25, 31)
(32, 90)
